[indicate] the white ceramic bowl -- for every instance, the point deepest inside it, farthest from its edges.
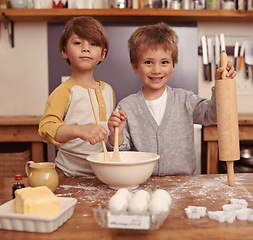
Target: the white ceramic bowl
(134, 169)
(19, 3)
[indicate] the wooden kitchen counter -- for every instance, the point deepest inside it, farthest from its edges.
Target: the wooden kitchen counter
(22, 129)
(210, 135)
(210, 191)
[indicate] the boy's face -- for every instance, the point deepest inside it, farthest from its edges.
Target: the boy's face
(155, 68)
(82, 54)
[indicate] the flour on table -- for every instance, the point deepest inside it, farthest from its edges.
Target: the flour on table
(202, 189)
(67, 187)
(199, 188)
(87, 192)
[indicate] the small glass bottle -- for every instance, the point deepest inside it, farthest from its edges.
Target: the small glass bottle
(3, 4)
(18, 184)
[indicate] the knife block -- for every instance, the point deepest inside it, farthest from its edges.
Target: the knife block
(227, 121)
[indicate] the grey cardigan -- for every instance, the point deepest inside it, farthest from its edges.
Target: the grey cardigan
(173, 139)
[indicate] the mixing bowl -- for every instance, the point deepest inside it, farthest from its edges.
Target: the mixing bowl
(133, 169)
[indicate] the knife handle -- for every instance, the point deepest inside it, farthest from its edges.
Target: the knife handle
(210, 72)
(223, 63)
(247, 70)
(240, 63)
(206, 72)
(235, 63)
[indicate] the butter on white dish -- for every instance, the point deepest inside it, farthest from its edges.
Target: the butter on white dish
(10, 220)
(37, 201)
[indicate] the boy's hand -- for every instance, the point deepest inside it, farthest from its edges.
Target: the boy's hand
(230, 74)
(117, 119)
(92, 133)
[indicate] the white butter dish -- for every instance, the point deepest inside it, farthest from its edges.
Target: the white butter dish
(9, 220)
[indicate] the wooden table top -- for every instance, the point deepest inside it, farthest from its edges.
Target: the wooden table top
(210, 191)
(245, 118)
(20, 120)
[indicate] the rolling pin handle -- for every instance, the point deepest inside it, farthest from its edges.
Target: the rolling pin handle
(223, 63)
(230, 173)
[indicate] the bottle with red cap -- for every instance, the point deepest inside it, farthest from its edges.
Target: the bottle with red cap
(18, 184)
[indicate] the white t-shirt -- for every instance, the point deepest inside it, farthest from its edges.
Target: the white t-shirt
(157, 107)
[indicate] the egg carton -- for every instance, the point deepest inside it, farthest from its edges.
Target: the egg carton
(129, 220)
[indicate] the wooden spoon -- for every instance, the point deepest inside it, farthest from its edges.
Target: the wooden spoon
(116, 155)
(107, 158)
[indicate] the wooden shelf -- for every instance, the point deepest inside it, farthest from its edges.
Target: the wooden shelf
(127, 14)
(9, 16)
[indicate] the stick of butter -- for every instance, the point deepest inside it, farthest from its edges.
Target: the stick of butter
(37, 201)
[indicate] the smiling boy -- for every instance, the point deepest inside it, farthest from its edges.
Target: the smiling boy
(158, 118)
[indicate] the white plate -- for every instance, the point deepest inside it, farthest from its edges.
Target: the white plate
(10, 220)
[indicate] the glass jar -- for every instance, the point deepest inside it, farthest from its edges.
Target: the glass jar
(18, 184)
(213, 4)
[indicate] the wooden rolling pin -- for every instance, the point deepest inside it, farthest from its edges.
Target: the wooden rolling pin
(227, 120)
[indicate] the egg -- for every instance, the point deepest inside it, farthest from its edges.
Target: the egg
(161, 193)
(137, 204)
(117, 203)
(143, 194)
(158, 205)
(125, 193)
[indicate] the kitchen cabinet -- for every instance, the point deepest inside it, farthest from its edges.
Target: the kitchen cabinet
(210, 137)
(127, 14)
(22, 129)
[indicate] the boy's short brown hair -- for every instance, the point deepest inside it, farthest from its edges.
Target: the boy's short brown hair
(153, 36)
(85, 27)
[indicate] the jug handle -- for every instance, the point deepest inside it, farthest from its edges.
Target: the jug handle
(27, 167)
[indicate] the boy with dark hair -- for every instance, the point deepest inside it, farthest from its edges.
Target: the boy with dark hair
(68, 120)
